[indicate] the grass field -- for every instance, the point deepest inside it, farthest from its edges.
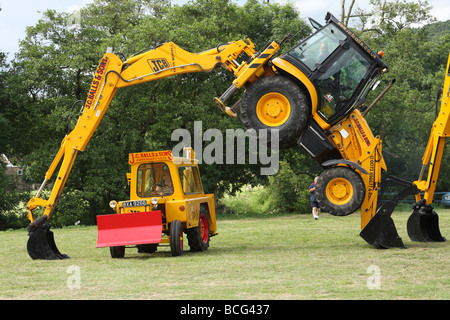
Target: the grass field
(281, 257)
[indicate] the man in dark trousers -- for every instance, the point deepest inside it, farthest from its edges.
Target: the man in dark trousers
(312, 197)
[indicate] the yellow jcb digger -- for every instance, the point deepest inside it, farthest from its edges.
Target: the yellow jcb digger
(314, 96)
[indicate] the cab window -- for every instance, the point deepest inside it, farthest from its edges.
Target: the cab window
(318, 47)
(339, 83)
(153, 179)
(190, 179)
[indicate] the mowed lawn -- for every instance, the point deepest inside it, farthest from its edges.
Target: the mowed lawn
(280, 257)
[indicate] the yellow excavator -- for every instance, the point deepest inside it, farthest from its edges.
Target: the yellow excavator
(314, 95)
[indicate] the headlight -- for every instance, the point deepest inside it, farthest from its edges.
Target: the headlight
(154, 201)
(113, 204)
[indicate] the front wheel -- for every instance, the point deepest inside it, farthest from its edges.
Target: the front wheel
(278, 103)
(176, 238)
(340, 191)
(117, 252)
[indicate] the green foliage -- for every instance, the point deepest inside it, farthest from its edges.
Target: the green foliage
(249, 202)
(388, 17)
(285, 192)
(73, 209)
(288, 191)
(406, 113)
(10, 215)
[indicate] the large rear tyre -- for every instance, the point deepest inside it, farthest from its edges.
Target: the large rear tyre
(176, 238)
(275, 103)
(340, 191)
(198, 237)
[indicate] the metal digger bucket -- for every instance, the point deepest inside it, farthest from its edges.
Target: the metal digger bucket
(381, 231)
(423, 224)
(41, 242)
(129, 229)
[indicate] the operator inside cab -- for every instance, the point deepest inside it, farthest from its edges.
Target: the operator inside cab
(154, 180)
(335, 69)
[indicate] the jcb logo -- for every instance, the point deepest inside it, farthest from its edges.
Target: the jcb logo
(158, 64)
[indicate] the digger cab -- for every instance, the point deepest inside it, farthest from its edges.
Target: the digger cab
(166, 201)
(336, 67)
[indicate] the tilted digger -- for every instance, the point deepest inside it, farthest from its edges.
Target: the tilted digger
(314, 95)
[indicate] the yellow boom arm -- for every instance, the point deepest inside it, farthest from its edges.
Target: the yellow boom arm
(436, 143)
(161, 62)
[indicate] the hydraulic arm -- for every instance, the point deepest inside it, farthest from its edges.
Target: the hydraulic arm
(436, 143)
(113, 73)
(423, 225)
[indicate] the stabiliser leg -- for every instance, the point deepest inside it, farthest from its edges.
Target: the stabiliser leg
(41, 242)
(380, 231)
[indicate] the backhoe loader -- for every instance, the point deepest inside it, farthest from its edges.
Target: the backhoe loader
(314, 95)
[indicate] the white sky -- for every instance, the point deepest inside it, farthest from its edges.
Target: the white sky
(16, 15)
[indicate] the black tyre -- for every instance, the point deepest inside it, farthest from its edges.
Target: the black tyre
(117, 252)
(340, 191)
(198, 237)
(176, 238)
(275, 103)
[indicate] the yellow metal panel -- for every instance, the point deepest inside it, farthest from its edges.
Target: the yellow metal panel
(245, 73)
(173, 211)
(102, 90)
(212, 213)
(141, 157)
(356, 142)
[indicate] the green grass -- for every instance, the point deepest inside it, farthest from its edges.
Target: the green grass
(247, 202)
(279, 257)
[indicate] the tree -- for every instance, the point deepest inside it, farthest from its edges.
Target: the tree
(9, 198)
(392, 16)
(345, 17)
(405, 115)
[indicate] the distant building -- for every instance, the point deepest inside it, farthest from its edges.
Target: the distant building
(17, 173)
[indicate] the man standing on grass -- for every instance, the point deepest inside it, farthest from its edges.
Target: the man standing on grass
(312, 197)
